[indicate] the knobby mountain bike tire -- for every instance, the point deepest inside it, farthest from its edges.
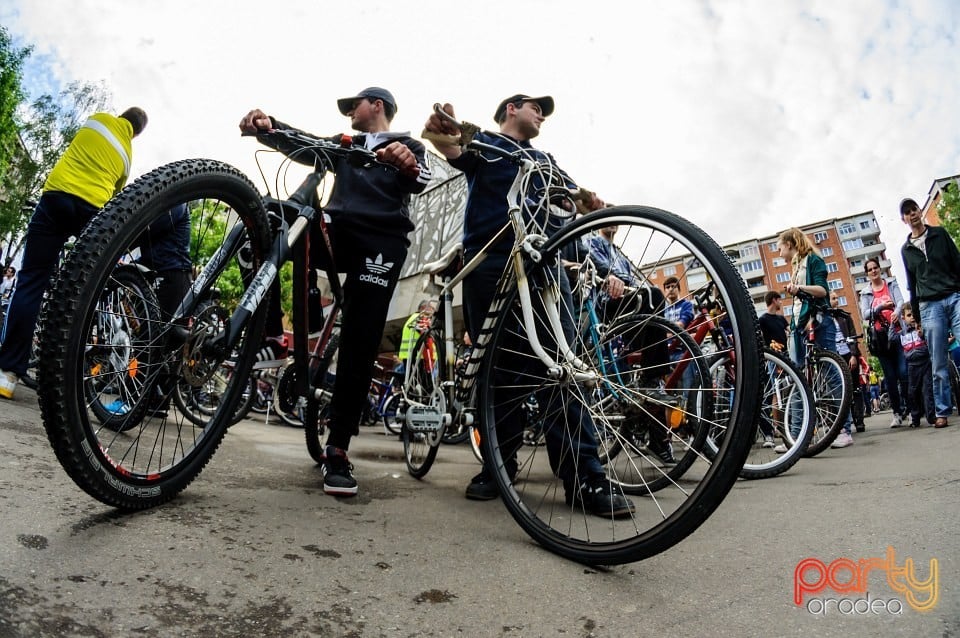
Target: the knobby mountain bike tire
(162, 452)
(549, 489)
(832, 390)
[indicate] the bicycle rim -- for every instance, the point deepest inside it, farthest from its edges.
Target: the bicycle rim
(155, 450)
(529, 477)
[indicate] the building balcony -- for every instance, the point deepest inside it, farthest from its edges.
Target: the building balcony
(865, 251)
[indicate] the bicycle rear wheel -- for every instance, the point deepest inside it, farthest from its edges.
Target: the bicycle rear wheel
(154, 451)
(786, 416)
(426, 417)
(832, 389)
(548, 488)
(655, 416)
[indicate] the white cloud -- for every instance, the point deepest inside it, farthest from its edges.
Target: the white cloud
(746, 117)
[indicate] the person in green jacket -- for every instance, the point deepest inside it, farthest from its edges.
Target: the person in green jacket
(810, 302)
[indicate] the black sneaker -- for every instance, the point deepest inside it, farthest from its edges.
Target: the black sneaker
(663, 450)
(602, 498)
(482, 488)
(338, 473)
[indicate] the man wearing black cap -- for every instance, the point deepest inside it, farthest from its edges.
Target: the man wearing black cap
(368, 207)
(519, 117)
(932, 262)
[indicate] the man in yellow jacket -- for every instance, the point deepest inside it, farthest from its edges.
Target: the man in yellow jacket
(94, 167)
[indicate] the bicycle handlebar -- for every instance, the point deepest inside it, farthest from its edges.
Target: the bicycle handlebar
(322, 149)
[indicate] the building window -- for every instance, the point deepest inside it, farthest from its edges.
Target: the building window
(772, 247)
(748, 251)
(866, 224)
(841, 301)
(856, 263)
(860, 280)
(783, 277)
(819, 237)
(788, 311)
(852, 244)
(779, 262)
(670, 270)
(832, 266)
(826, 252)
(847, 228)
(834, 284)
(751, 266)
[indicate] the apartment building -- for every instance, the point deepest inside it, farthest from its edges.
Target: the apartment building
(845, 244)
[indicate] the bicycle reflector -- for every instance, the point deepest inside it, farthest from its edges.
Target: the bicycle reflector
(346, 141)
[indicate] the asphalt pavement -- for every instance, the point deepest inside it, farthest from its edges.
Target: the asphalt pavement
(255, 548)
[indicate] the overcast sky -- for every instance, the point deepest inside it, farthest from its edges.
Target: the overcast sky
(745, 117)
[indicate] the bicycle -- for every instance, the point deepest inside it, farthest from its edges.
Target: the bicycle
(239, 239)
(828, 376)
(383, 402)
(522, 350)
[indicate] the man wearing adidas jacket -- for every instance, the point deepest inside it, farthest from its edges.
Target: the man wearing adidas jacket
(368, 232)
(94, 167)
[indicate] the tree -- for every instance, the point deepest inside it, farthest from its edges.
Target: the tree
(11, 96)
(33, 137)
(46, 128)
(949, 210)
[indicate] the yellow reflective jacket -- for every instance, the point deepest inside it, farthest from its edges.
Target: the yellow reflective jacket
(96, 165)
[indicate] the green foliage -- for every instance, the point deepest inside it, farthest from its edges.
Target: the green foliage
(949, 210)
(33, 137)
(207, 227)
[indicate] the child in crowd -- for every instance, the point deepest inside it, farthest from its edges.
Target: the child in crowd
(919, 370)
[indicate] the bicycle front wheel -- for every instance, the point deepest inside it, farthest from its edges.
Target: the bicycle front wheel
(205, 212)
(559, 492)
(831, 387)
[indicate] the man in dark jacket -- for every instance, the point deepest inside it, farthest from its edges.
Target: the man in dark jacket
(932, 262)
(368, 232)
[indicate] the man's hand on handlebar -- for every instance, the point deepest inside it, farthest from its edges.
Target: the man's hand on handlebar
(439, 125)
(401, 157)
(255, 121)
(614, 286)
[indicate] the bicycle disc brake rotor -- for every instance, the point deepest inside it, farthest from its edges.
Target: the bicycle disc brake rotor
(200, 366)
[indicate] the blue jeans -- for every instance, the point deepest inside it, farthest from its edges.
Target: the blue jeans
(939, 318)
(57, 217)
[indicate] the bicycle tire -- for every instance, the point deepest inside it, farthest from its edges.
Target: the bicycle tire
(116, 386)
(392, 414)
(831, 411)
(786, 397)
(426, 415)
(316, 413)
(645, 425)
(153, 462)
(535, 496)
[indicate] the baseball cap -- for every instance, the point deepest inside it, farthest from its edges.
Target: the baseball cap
(372, 92)
(545, 102)
(905, 204)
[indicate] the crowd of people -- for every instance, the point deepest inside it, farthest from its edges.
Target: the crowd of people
(910, 336)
